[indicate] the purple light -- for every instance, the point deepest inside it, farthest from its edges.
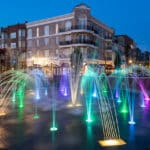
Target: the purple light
(64, 85)
(116, 94)
(146, 97)
(65, 92)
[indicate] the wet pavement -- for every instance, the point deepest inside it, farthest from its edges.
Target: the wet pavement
(19, 131)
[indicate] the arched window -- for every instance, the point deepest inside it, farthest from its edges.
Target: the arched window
(82, 22)
(68, 25)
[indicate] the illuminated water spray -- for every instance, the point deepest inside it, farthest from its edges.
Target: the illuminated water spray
(12, 85)
(53, 125)
(76, 64)
(108, 114)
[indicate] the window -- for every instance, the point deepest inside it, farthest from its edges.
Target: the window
(68, 38)
(46, 53)
(37, 42)
(5, 45)
(21, 33)
(29, 33)
(29, 54)
(46, 30)
(23, 43)
(68, 25)
(97, 42)
(29, 43)
(19, 44)
(2, 35)
(57, 51)
(13, 45)
(82, 37)
(2, 45)
(13, 35)
(46, 41)
(82, 22)
(57, 40)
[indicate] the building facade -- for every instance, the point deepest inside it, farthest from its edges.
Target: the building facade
(51, 41)
(126, 48)
(13, 41)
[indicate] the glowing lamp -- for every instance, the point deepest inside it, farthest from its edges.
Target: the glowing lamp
(111, 142)
(2, 114)
(70, 105)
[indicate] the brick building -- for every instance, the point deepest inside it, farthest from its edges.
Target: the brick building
(52, 40)
(13, 41)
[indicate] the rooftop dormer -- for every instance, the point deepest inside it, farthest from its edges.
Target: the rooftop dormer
(82, 6)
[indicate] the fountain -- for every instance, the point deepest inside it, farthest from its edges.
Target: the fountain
(76, 64)
(112, 94)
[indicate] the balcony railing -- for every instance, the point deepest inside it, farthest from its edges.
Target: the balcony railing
(107, 38)
(108, 48)
(78, 41)
(78, 27)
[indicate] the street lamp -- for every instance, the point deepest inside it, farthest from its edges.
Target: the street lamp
(130, 61)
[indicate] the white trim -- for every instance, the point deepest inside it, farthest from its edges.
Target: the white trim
(50, 20)
(68, 32)
(80, 44)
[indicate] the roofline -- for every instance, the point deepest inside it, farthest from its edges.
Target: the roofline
(103, 24)
(48, 20)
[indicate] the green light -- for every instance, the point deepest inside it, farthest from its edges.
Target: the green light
(124, 111)
(36, 116)
(89, 120)
(105, 91)
(119, 100)
(20, 94)
(21, 106)
(14, 97)
(53, 128)
(124, 108)
(21, 100)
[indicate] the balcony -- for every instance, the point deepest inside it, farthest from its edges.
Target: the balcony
(107, 38)
(78, 41)
(77, 27)
(108, 48)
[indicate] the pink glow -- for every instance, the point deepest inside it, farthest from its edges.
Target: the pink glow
(146, 97)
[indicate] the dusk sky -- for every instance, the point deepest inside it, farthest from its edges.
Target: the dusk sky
(131, 17)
